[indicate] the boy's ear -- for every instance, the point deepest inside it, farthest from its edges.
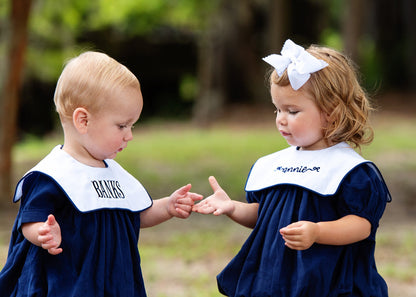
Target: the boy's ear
(80, 118)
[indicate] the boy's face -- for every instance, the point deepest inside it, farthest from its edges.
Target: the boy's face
(110, 129)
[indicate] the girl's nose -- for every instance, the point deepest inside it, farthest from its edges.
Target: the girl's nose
(281, 119)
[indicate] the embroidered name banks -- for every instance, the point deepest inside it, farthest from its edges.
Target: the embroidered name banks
(91, 188)
(300, 169)
(108, 189)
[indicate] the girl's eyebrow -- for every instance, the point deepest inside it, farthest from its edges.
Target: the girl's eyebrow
(287, 106)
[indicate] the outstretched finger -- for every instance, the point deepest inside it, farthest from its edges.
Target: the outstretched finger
(195, 196)
(184, 189)
(214, 184)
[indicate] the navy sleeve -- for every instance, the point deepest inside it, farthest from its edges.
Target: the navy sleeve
(365, 194)
(39, 199)
(256, 196)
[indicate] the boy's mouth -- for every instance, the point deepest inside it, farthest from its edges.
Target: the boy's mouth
(284, 134)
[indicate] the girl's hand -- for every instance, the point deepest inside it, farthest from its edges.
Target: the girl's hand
(219, 203)
(300, 235)
(49, 236)
(346, 230)
(181, 202)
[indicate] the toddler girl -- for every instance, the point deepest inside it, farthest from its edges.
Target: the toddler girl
(314, 207)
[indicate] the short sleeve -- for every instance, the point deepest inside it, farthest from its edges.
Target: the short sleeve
(39, 198)
(253, 196)
(364, 193)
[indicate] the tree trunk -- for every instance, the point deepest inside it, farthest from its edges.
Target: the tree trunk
(353, 28)
(278, 27)
(10, 92)
(409, 19)
(209, 104)
(228, 64)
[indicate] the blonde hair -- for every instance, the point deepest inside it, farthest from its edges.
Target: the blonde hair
(87, 79)
(339, 95)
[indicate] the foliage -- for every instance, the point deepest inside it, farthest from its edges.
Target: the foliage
(56, 26)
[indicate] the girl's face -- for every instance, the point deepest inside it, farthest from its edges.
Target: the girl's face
(298, 118)
(110, 129)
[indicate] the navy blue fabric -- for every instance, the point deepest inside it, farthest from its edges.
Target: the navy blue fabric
(100, 256)
(266, 267)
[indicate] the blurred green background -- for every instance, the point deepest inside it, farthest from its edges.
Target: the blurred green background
(207, 109)
(194, 58)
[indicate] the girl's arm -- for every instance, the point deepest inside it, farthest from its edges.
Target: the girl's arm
(220, 203)
(44, 234)
(346, 230)
(179, 204)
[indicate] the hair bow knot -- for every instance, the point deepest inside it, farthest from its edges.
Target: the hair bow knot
(298, 62)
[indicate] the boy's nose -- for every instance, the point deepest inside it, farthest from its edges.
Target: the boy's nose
(128, 136)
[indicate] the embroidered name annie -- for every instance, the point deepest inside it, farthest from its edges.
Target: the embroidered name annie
(299, 169)
(108, 189)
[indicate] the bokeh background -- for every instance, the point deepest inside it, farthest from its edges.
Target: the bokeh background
(207, 108)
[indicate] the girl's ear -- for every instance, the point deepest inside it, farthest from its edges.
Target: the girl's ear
(80, 118)
(326, 116)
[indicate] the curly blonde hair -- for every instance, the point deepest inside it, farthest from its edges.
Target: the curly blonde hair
(87, 79)
(339, 95)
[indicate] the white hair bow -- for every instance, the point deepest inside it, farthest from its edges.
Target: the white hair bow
(298, 62)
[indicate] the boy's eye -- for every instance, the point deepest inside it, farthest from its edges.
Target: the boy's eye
(125, 126)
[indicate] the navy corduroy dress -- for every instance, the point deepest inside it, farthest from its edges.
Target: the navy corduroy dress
(100, 255)
(266, 267)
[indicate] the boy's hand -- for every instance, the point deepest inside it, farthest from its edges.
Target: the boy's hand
(219, 203)
(181, 202)
(49, 236)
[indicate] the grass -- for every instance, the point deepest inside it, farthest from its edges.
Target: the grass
(175, 157)
(182, 257)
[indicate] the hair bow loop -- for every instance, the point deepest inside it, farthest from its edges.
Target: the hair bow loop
(298, 62)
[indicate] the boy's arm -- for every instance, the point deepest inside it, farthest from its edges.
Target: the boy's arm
(346, 230)
(179, 204)
(44, 234)
(220, 203)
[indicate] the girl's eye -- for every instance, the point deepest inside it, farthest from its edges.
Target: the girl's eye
(122, 126)
(293, 111)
